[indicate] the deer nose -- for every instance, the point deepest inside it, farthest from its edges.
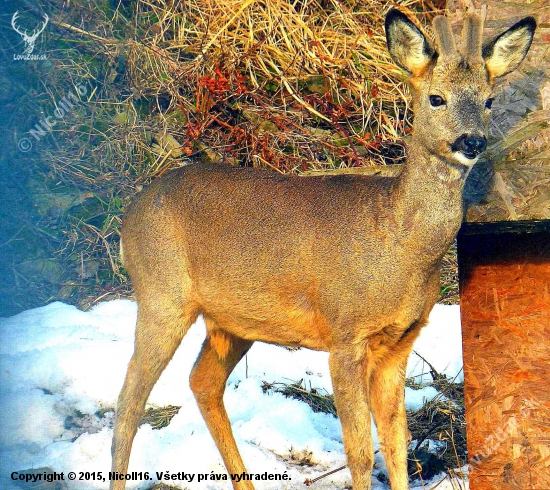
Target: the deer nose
(475, 145)
(470, 145)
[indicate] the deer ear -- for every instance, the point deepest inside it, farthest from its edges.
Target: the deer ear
(408, 47)
(504, 53)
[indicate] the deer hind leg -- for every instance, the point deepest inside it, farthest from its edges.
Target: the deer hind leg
(159, 332)
(220, 353)
(349, 382)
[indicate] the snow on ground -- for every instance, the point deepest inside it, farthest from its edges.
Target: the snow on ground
(62, 370)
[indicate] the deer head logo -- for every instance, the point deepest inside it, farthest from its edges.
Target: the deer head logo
(29, 39)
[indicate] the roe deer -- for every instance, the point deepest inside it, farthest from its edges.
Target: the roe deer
(346, 264)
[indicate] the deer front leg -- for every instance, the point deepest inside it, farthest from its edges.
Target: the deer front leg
(387, 400)
(350, 397)
(388, 408)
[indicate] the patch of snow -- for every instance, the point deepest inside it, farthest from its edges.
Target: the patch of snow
(440, 343)
(62, 370)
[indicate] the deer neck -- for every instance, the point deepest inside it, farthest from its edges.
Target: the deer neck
(430, 207)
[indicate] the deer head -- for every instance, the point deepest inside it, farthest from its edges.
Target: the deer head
(452, 86)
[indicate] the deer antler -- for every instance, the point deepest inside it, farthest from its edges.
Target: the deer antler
(14, 25)
(472, 36)
(38, 31)
(444, 38)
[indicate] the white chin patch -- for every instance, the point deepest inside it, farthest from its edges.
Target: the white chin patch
(468, 162)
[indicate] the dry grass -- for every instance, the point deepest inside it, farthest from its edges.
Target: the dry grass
(315, 398)
(449, 277)
(286, 85)
(441, 419)
(161, 417)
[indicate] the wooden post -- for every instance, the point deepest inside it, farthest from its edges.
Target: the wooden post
(505, 307)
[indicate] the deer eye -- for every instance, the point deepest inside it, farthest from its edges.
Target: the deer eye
(436, 100)
(489, 103)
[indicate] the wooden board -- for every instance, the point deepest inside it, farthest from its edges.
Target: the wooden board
(505, 308)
